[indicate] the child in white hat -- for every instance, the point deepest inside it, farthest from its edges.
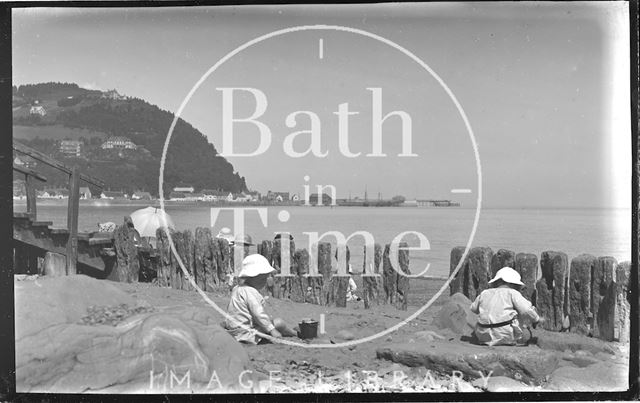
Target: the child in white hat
(246, 314)
(499, 307)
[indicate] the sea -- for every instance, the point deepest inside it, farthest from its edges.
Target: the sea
(600, 232)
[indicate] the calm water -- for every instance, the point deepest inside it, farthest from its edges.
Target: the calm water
(574, 231)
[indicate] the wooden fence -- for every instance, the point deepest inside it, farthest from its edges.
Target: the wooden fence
(590, 293)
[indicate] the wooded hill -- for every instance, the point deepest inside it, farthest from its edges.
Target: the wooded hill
(191, 159)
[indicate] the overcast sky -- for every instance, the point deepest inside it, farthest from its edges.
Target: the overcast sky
(544, 87)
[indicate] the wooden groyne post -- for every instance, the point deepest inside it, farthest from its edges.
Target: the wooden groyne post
(589, 291)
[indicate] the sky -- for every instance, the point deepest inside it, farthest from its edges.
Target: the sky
(544, 88)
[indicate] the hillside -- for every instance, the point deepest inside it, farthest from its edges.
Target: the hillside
(44, 114)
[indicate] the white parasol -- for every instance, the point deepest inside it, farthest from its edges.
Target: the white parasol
(149, 219)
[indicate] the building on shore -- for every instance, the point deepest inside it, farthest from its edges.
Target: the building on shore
(118, 143)
(71, 148)
(326, 200)
(184, 189)
(141, 196)
(279, 197)
(111, 195)
(85, 192)
(37, 110)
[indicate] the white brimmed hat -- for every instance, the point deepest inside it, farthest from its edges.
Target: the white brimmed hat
(508, 275)
(225, 233)
(254, 265)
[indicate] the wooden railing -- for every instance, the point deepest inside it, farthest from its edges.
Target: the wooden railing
(74, 196)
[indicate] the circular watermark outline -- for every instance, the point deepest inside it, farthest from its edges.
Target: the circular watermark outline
(322, 27)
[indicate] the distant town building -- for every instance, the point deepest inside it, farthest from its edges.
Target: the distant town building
(184, 189)
(326, 199)
(177, 196)
(110, 195)
(214, 195)
(243, 197)
(85, 193)
(71, 147)
(141, 196)
(113, 95)
(118, 143)
(37, 110)
(278, 196)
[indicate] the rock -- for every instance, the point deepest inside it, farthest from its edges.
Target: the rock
(550, 289)
(604, 356)
(528, 364)
(602, 376)
(584, 361)
(502, 258)
(55, 355)
(455, 315)
(569, 341)
(428, 335)
(345, 335)
(579, 292)
(527, 266)
(61, 300)
(273, 368)
(501, 384)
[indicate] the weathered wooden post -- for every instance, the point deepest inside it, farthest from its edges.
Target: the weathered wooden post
(402, 283)
(203, 258)
(372, 284)
(479, 269)
(72, 221)
(30, 190)
(623, 309)
(324, 270)
(226, 259)
(315, 283)
(602, 277)
(284, 282)
(127, 268)
(340, 282)
(527, 266)
(579, 292)
(164, 258)
(389, 277)
(502, 258)
(550, 289)
(185, 250)
(456, 284)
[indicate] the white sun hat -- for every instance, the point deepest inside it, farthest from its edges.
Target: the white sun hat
(508, 275)
(254, 265)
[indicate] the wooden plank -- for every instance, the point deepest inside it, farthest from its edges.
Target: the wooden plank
(41, 223)
(29, 172)
(35, 154)
(100, 241)
(83, 236)
(72, 221)
(31, 196)
(59, 231)
(21, 215)
(88, 255)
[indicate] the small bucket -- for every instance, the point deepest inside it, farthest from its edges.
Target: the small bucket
(308, 329)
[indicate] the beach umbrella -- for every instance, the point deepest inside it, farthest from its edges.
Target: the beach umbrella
(149, 219)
